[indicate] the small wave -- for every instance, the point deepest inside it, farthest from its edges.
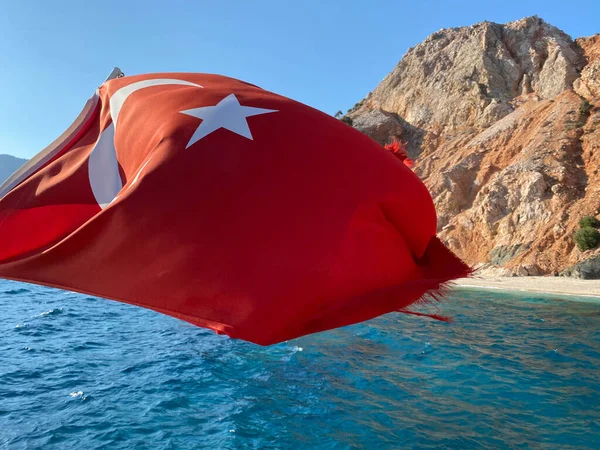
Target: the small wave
(428, 348)
(52, 312)
(261, 377)
(88, 345)
(78, 394)
(174, 403)
(15, 291)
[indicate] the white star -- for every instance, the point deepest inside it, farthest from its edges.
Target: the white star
(228, 114)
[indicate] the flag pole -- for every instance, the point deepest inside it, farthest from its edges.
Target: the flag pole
(116, 73)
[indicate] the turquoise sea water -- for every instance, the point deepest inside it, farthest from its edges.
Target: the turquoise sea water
(510, 372)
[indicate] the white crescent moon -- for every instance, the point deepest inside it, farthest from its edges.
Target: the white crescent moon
(103, 166)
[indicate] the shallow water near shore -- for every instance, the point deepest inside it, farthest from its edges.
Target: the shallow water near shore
(511, 371)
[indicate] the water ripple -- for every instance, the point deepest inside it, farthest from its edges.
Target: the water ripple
(52, 312)
(510, 372)
(14, 291)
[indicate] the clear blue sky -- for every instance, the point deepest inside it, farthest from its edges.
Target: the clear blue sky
(327, 54)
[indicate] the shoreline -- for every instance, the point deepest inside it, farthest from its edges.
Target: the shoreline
(586, 290)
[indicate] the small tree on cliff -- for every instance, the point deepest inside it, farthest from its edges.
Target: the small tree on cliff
(589, 222)
(347, 120)
(587, 238)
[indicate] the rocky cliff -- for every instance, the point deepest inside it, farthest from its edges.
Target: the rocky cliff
(503, 122)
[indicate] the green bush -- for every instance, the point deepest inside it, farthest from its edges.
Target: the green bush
(585, 108)
(574, 125)
(587, 238)
(584, 112)
(347, 120)
(589, 222)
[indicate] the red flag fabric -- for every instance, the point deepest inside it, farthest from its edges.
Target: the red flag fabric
(224, 205)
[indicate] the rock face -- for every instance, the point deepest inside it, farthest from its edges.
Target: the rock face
(378, 124)
(8, 165)
(382, 126)
(587, 270)
(504, 124)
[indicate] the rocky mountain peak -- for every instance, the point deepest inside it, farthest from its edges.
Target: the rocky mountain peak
(503, 121)
(8, 165)
(470, 76)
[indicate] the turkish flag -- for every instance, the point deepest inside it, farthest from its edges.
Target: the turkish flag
(224, 205)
